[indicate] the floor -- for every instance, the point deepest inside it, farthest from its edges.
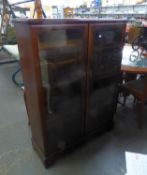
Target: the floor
(122, 151)
(5, 57)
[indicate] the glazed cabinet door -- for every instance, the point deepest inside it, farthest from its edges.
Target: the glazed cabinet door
(104, 61)
(62, 61)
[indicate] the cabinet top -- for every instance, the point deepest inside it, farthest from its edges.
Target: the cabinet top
(65, 21)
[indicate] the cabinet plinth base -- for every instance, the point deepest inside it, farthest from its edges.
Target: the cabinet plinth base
(50, 160)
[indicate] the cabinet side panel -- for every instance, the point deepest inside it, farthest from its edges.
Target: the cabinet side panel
(30, 79)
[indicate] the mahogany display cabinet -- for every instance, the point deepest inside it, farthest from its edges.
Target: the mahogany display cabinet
(70, 71)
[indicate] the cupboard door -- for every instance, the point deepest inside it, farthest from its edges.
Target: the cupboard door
(104, 63)
(62, 55)
(105, 49)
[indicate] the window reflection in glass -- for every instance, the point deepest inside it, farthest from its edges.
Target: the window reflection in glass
(62, 69)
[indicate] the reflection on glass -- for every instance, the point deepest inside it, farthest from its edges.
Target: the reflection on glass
(106, 54)
(62, 70)
(101, 102)
(107, 36)
(106, 61)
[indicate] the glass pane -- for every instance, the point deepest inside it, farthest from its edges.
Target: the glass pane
(106, 61)
(101, 102)
(107, 36)
(106, 50)
(63, 70)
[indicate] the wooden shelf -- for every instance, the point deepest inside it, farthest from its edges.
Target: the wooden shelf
(53, 65)
(116, 10)
(58, 44)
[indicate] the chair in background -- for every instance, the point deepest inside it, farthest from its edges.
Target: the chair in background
(126, 77)
(137, 88)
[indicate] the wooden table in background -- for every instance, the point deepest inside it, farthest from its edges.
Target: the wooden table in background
(137, 67)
